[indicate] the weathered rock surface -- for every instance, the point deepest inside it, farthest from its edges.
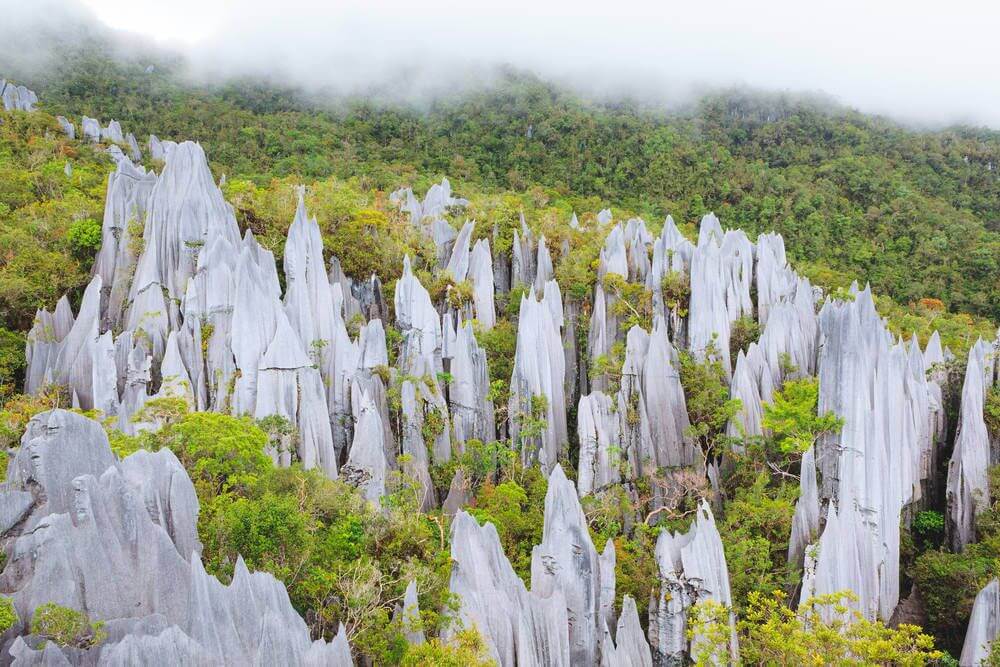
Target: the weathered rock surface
(537, 383)
(118, 541)
(531, 630)
(984, 626)
(692, 568)
(566, 561)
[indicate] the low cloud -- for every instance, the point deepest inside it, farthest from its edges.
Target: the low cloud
(917, 62)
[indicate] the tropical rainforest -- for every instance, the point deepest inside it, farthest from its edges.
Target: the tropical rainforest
(915, 213)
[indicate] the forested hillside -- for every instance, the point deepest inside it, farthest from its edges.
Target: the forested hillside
(916, 213)
(666, 426)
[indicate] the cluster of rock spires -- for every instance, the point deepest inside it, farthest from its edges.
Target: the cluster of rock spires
(118, 541)
(17, 98)
(567, 617)
(182, 306)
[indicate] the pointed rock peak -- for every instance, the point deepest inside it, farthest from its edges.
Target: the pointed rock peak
(284, 351)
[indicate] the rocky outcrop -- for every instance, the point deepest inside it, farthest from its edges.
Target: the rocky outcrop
(537, 382)
(17, 98)
(984, 626)
(692, 568)
(472, 411)
(118, 541)
(871, 470)
(968, 488)
(597, 433)
(566, 561)
(531, 630)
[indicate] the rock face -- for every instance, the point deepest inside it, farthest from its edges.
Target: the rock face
(531, 630)
(180, 305)
(118, 541)
(17, 98)
(537, 384)
(597, 432)
(692, 568)
(873, 468)
(567, 562)
(968, 489)
(984, 626)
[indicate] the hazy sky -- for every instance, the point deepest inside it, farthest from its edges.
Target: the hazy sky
(918, 61)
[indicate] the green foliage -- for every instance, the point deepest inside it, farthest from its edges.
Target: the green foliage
(948, 585)
(991, 410)
(706, 391)
(17, 411)
(630, 302)
(755, 530)
(8, 615)
(517, 511)
(500, 344)
(743, 331)
(220, 451)
(791, 416)
(676, 289)
(770, 633)
(12, 362)
(466, 649)
(928, 529)
(84, 238)
(609, 366)
(66, 627)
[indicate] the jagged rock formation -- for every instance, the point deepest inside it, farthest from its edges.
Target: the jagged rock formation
(537, 383)
(566, 561)
(531, 630)
(472, 411)
(409, 615)
(984, 626)
(118, 541)
(968, 488)
(17, 98)
(597, 432)
(67, 127)
(436, 201)
(692, 568)
(872, 469)
(629, 647)
(180, 305)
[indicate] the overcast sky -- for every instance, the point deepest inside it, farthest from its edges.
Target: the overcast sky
(917, 61)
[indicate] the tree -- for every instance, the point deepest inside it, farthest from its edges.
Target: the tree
(791, 416)
(824, 630)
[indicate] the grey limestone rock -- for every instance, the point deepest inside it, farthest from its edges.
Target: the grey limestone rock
(968, 490)
(67, 127)
(566, 561)
(537, 382)
(597, 432)
(91, 129)
(630, 647)
(531, 630)
(984, 626)
(692, 568)
(366, 465)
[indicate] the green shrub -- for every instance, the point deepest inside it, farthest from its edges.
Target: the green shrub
(928, 529)
(84, 238)
(744, 331)
(66, 627)
(8, 615)
(791, 416)
(517, 512)
(948, 585)
(466, 649)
